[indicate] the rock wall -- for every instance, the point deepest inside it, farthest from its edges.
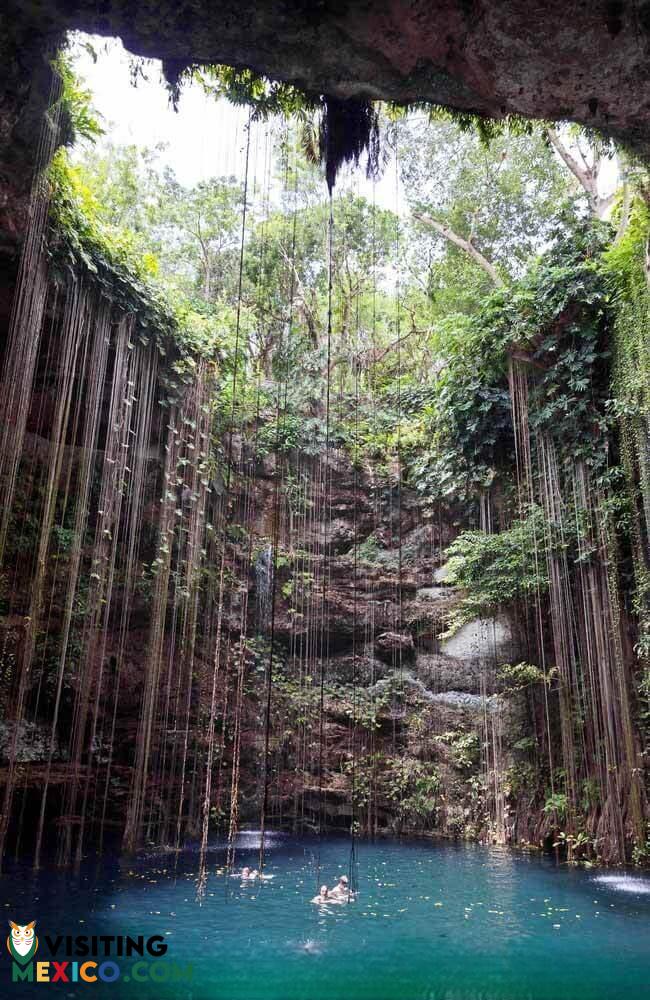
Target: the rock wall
(339, 580)
(425, 722)
(559, 61)
(416, 733)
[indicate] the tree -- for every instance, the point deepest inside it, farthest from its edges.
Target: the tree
(198, 231)
(124, 182)
(287, 261)
(495, 204)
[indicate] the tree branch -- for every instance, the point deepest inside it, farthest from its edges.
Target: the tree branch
(586, 176)
(582, 174)
(465, 245)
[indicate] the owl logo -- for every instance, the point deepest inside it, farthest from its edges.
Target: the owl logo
(22, 943)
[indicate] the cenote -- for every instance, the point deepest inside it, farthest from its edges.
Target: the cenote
(431, 922)
(325, 500)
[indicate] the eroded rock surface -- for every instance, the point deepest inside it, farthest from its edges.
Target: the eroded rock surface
(574, 60)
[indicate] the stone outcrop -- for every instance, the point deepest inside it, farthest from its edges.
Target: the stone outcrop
(395, 647)
(582, 61)
(586, 62)
(432, 728)
(443, 718)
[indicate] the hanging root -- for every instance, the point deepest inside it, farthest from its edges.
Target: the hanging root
(348, 129)
(175, 73)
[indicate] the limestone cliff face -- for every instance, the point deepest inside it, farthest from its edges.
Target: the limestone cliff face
(300, 635)
(417, 734)
(569, 60)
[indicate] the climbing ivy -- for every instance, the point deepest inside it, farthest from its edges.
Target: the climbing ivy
(495, 571)
(626, 271)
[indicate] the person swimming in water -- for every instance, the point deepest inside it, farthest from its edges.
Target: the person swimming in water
(250, 874)
(323, 895)
(342, 891)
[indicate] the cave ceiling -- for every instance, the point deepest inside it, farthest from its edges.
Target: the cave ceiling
(586, 61)
(582, 61)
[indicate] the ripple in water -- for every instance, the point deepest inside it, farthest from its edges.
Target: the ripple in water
(311, 947)
(432, 922)
(246, 840)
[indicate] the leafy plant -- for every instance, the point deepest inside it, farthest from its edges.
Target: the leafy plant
(557, 804)
(496, 571)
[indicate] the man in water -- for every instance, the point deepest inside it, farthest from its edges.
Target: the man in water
(342, 890)
(247, 873)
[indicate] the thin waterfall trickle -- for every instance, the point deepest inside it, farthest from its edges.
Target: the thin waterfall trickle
(264, 587)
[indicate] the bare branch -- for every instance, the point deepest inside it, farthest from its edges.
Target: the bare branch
(587, 176)
(582, 174)
(465, 245)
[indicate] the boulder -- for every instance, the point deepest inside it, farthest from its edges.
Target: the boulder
(393, 646)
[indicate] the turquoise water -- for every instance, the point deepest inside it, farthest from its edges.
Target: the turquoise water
(430, 923)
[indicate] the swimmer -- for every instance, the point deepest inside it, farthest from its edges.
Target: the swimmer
(342, 890)
(323, 895)
(249, 873)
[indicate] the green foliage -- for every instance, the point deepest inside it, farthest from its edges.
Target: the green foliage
(486, 129)
(63, 538)
(246, 88)
(469, 428)
(626, 272)
(414, 788)
(416, 354)
(641, 851)
(298, 583)
(369, 550)
(505, 198)
(79, 120)
(197, 234)
(465, 748)
(557, 317)
(525, 745)
(495, 571)
(109, 259)
(519, 676)
(123, 188)
(521, 778)
(557, 805)
(99, 230)
(575, 844)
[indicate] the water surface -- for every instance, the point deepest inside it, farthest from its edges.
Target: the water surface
(430, 923)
